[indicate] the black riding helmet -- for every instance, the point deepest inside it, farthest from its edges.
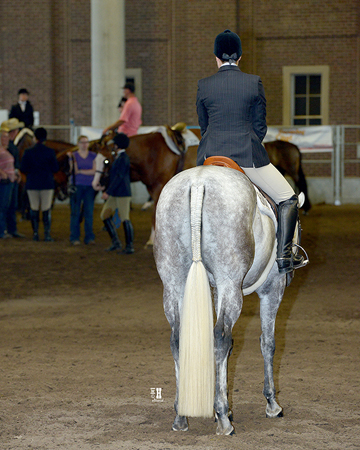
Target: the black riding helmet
(227, 46)
(121, 141)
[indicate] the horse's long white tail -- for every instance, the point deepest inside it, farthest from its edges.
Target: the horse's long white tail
(196, 365)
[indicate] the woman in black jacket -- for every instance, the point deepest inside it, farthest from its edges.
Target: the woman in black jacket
(39, 164)
(118, 196)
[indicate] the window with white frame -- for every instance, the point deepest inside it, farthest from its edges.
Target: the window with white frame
(305, 95)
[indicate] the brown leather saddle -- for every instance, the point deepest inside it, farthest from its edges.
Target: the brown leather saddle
(224, 161)
(175, 134)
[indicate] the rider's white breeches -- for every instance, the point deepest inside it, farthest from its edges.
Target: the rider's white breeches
(270, 180)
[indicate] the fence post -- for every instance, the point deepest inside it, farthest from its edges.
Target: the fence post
(336, 165)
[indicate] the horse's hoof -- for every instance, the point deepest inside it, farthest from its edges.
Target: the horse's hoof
(277, 412)
(228, 431)
(180, 424)
(224, 427)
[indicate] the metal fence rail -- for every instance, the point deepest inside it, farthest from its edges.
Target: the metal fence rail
(338, 160)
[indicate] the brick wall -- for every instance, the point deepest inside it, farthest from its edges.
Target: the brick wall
(45, 46)
(172, 41)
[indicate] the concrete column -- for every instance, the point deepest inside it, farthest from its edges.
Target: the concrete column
(107, 60)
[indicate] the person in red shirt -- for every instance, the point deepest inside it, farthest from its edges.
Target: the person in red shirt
(130, 116)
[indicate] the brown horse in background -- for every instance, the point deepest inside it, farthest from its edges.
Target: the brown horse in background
(286, 157)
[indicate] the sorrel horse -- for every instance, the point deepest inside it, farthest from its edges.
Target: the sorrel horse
(151, 161)
(214, 229)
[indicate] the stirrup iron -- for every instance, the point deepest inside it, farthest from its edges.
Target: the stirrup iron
(306, 260)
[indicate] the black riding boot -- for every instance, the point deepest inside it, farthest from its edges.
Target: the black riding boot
(34, 216)
(129, 236)
(288, 217)
(110, 228)
(46, 216)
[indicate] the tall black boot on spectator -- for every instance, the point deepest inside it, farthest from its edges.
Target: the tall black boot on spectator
(34, 217)
(129, 236)
(110, 228)
(46, 215)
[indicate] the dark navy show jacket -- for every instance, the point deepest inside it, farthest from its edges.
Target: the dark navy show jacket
(39, 164)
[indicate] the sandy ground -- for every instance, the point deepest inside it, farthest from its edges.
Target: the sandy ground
(83, 340)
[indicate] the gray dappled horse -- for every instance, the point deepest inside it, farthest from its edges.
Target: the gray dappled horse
(213, 227)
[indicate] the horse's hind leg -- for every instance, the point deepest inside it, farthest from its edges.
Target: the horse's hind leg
(172, 314)
(270, 293)
(180, 422)
(228, 315)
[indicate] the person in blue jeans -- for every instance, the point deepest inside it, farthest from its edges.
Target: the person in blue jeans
(7, 177)
(14, 126)
(82, 167)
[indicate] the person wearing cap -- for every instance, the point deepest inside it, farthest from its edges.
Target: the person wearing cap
(130, 116)
(11, 224)
(39, 164)
(7, 177)
(23, 109)
(118, 196)
(231, 108)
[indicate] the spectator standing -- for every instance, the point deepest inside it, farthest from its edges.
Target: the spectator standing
(82, 167)
(130, 116)
(7, 177)
(23, 109)
(39, 164)
(118, 196)
(14, 126)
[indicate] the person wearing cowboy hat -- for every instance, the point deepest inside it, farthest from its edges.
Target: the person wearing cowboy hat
(7, 177)
(23, 109)
(231, 108)
(11, 225)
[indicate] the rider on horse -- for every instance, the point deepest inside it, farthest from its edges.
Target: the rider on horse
(231, 107)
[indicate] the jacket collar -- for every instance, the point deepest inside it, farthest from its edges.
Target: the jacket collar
(228, 67)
